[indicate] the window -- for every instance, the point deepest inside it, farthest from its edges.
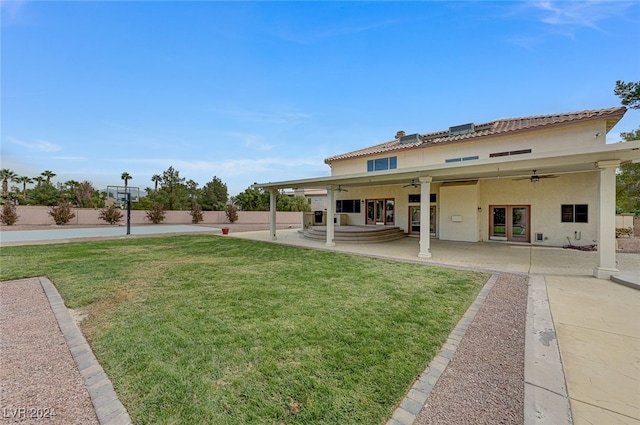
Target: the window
(381, 164)
(466, 158)
(415, 198)
(578, 213)
(348, 206)
(509, 153)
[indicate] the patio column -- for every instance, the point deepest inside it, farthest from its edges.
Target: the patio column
(273, 202)
(331, 206)
(607, 220)
(425, 205)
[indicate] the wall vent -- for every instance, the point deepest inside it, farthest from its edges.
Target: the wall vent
(411, 138)
(457, 130)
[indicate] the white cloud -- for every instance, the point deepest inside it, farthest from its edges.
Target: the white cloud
(71, 158)
(36, 146)
(10, 10)
(270, 117)
(577, 14)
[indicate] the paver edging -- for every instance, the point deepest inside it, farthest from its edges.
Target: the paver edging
(106, 403)
(406, 413)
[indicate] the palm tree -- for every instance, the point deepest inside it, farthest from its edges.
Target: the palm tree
(6, 175)
(126, 177)
(24, 180)
(48, 174)
(71, 184)
(39, 180)
(156, 178)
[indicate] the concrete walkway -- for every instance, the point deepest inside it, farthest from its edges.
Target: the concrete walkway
(597, 350)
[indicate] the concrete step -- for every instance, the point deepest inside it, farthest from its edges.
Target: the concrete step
(356, 234)
(630, 279)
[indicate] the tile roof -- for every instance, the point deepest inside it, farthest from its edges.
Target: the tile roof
(503, 126)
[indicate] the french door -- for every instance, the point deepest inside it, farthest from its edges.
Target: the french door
(509, 223)
(414, 220)
(381, 211)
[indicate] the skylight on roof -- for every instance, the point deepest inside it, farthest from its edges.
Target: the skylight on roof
(457, 130)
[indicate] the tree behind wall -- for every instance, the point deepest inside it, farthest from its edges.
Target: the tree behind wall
(628, 179)
(628, 182)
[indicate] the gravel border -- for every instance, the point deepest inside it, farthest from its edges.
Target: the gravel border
(48, 372)
(39, 379)
(478, 376)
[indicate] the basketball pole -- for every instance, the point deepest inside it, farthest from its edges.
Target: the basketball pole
(128, 213)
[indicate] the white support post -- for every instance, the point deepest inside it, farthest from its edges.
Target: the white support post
(331, 207)
(273, 201)
(607, 221)
(425, 208)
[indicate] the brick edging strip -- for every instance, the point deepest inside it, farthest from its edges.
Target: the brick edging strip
(412, 404)
(108, 407)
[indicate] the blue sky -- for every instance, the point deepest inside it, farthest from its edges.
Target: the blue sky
(264, 91)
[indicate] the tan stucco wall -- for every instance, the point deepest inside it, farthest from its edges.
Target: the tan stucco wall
(563, 138)
(88, 216)
(545, 198)
(458, 212)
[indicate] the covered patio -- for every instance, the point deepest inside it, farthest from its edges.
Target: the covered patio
(601, 159)
(489, 256)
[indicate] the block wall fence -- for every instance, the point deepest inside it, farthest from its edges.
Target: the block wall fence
(39, 216)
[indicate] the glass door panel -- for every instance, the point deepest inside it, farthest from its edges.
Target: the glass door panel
(379, 211)
(498, 228)
(519, 219)
(390, 211)
(414, 219)
(432, 220)
(371, 211)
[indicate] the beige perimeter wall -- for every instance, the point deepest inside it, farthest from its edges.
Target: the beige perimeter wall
(29, 215)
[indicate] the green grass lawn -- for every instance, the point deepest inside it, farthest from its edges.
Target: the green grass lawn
(210, 330)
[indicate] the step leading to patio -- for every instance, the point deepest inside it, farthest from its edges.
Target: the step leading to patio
(356, 234)
(630, 279)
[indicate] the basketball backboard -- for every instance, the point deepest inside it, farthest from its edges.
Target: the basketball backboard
(118, 194)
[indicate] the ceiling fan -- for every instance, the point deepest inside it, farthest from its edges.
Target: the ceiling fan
(340, 189)
(535, 177)
(412, 184)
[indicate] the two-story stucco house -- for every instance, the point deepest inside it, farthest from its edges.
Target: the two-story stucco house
(544, 180)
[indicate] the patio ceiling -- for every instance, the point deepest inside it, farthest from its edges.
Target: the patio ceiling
(559, 162)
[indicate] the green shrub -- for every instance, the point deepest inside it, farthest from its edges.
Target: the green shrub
(8, 214)
(62, 213)
(156, 213)
(111, 214)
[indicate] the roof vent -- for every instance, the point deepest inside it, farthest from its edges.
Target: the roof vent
(400, 134)
(462, 129)
(411, 138)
